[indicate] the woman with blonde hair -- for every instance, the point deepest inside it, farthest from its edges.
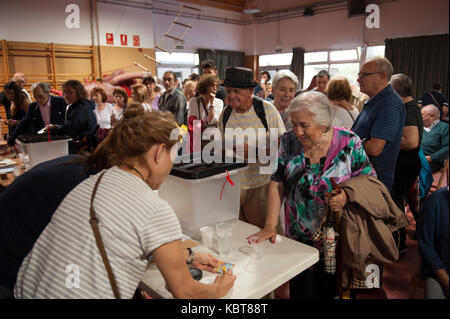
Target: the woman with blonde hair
(128, 218)
(339, 93)
(189, 89)
(139, 93)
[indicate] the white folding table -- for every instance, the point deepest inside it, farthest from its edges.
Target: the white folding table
(256, 276)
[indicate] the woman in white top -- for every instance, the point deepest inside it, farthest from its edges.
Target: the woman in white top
(120, 104)
(134, 223)
(339, 92)
(206, 107)
(103, 110)
(139, 93)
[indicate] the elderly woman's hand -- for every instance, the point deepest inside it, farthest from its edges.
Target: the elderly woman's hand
(269, 232)
(336, 202)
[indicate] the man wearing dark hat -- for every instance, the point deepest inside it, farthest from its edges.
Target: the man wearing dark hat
(248, 113)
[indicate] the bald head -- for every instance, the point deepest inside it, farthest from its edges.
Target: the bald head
(374, 76)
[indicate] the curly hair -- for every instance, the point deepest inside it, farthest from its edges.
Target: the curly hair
(101, 91)
(206, 81)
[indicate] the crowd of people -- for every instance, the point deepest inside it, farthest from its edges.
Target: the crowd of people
(349, 157)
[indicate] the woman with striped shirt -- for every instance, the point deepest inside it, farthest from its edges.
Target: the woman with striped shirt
(134, 223)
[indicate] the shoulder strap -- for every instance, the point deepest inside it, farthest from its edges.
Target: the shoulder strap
(350, 113)
(226, 116)
(259, 110)
(98, 238)
(432, 96)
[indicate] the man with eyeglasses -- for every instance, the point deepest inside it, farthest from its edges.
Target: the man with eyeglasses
(382, 118)
(46, 109)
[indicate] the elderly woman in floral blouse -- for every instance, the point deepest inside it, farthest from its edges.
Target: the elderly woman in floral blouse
(309, 155)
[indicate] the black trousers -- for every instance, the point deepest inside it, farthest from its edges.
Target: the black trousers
(313, 283)
(407, 168)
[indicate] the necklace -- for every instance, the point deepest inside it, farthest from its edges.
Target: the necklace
(140, 174)
(136, 170)
(319, 148)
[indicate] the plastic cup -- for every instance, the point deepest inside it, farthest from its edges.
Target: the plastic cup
(255, 249)
(207, 233)
(224, 233)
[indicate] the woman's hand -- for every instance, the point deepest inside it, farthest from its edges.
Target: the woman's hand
(224, 283)
(336, 202)
(269, 231)
(204, 261)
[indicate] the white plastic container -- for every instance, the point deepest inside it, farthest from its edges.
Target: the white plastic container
(42, 151)
(197, 202)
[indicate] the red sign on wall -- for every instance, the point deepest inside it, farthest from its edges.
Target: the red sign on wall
(123, 39)
(109, 38)
(136, 41)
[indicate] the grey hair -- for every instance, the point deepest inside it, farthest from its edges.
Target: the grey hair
(284, 74)
(434, 109)
(315, 102)
(402, 84)
(43, 85)
(383, 65)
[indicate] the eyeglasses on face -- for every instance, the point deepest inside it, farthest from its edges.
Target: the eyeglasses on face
(363, 75)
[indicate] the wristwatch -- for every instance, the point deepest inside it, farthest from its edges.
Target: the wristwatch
(191, 256)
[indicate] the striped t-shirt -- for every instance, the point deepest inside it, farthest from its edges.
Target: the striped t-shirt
(252, 177)
(133, 221)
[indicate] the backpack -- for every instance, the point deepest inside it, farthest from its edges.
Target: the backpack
(259, 110)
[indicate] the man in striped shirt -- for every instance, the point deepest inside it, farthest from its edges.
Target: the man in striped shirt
(243, 118)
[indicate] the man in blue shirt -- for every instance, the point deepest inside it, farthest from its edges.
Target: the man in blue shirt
(382, 118)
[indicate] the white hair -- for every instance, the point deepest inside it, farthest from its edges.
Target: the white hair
(315, 102)
(433, 108)
(284, 74)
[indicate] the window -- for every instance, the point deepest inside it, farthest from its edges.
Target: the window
(273, 63)
(338, 62)
(311, 57)
(182, 64)
(275, 59)
(349, 70)
(177, 58)
(375, 51)
(344, 55)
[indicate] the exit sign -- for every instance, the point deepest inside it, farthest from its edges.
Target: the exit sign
(179, 47)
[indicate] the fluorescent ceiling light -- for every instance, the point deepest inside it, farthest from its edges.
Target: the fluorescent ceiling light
(251, 7)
